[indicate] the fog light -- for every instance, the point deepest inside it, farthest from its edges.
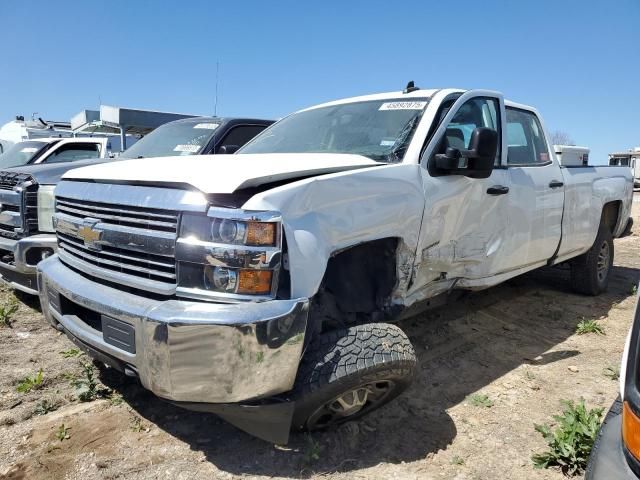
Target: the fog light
(223, 279)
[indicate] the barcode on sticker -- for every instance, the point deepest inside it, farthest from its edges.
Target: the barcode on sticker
(187, 148)
(403, 106)
(206, 126)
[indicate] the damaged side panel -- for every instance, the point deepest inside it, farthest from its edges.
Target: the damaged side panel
(326, 214)
(463, 233)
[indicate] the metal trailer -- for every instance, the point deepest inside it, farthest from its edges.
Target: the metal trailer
(631, 159)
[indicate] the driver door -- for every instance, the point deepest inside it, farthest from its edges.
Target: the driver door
(465, 219)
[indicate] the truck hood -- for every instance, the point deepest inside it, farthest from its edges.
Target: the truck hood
(51, 173)
(221, 173)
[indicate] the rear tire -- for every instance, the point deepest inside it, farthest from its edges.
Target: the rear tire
(590, 271)
(347, 373)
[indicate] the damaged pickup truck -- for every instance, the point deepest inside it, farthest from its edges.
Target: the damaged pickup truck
(262, 286)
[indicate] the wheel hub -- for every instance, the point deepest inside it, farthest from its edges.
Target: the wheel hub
(350, 403)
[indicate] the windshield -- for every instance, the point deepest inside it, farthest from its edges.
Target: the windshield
(175, 138)
(379, 129)
(20, 154)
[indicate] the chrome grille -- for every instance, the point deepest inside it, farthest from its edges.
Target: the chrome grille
(138, 217)
(131, 245)
(129, 262)
(8, 180)
(18, 205)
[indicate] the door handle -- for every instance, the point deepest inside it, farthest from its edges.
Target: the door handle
(556, 184)
(497, 190)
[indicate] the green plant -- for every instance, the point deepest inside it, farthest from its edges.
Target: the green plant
(63, 433)
(7, 311)
(86, 385)
(612, 372)
(480, 400)
(72, 352)
(634, 289)
(31, 383)
(571, 441)
(45, 406)
(137, 425)
(116, 399)
(589, 326)
(312, 450)
(456, 460)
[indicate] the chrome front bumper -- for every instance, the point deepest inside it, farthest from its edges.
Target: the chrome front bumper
(185, 351)
(20, 274)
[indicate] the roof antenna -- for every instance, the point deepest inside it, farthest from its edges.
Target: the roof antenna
(215, 104)
(411, 87)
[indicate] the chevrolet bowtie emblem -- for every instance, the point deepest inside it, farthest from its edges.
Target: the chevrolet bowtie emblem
(90, 235)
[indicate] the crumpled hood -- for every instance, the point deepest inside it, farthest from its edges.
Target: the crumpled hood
(221, 173)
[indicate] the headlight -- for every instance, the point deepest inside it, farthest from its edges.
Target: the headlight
(46, 208)
(228, 253)
(229, 231)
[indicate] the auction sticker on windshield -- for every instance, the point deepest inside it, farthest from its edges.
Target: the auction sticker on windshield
(206, 126)
(187, 148)
(403, 106)
(29, 150)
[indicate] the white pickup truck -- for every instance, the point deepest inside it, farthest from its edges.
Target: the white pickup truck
(261, 286)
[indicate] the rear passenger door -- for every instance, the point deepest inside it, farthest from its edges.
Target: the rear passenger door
(536, 194)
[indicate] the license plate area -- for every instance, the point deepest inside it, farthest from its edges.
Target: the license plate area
(119, 334)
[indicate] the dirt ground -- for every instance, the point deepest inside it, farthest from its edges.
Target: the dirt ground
(515, 343)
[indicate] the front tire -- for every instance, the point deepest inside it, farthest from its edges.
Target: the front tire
(590, 271)
(347, 373)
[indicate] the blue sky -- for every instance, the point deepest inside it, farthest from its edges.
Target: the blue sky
(577, 61)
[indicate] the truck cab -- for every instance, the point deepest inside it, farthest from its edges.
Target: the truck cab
(53, 150)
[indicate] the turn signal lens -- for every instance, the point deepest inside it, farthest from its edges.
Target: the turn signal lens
(254, 282)
(259, 233)
(631, 430)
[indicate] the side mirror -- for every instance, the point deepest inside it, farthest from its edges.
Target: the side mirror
(477, 161)
(228, 149)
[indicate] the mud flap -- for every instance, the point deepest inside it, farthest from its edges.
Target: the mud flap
(269, 422)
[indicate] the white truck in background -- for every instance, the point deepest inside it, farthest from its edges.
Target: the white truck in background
(262, 286)
(21, 130)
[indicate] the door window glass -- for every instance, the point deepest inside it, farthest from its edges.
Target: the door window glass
(240, 135)
(474, 113)
(525, 139)
(74, 152)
